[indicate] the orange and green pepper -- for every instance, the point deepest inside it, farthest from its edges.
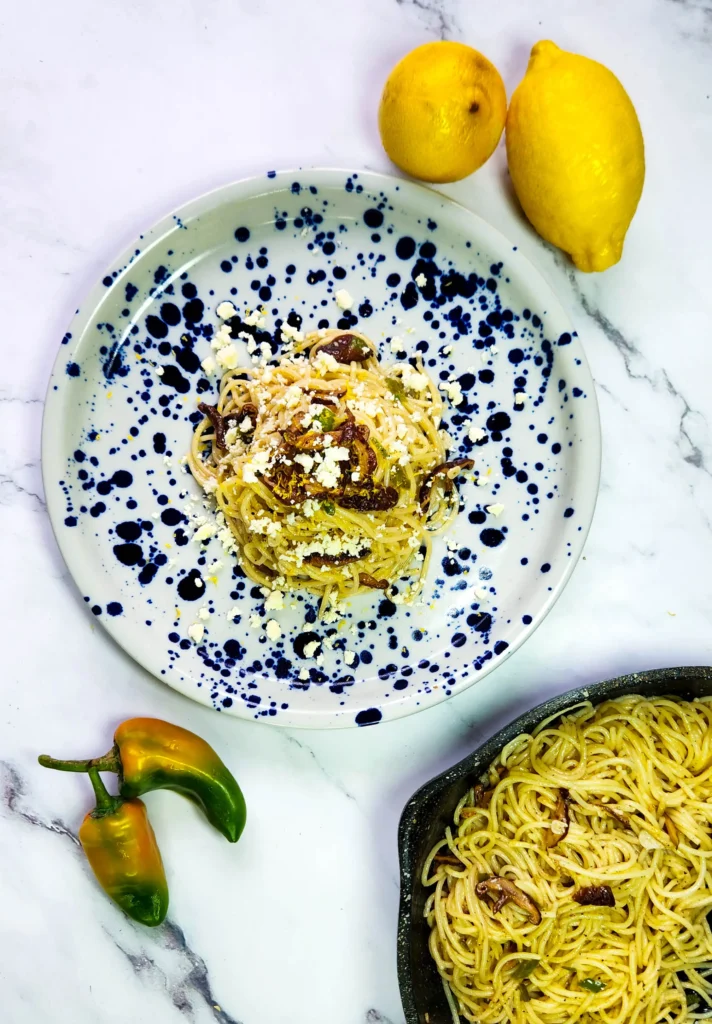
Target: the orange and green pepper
(121, 848)
(152, 754)
(117, 837)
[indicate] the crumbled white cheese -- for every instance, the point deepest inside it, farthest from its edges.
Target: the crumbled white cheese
(421, 280)
(225, 535)
(291, 397)
(275, 601)
(343, 299)
(205, 532)
(324, 362)
(246, 425)
(265, 526)
(305, 460)
(259, 463)
(214, 568)
(481, 594)
(208, 365)
(310, 507)
(159, 371)
(311, 648)
(453, 391)
(476, 434)
(482, 481)
(203, 614)
(221, 338)
(397, 345)
(233, 612)
(225, 310)
(495, 510)
(413, 380)
(255, 319)
(447, 349)
(255, 621)
(227, 357)
(519, 398)
(273, 629)
(329, 470)
(290, 333)
(349, 657)
(196, 632)
(303, 673)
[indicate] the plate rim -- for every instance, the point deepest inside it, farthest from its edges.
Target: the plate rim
(311, 718)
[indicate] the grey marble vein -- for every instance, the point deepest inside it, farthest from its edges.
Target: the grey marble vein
(692, 450)
(6, 399)
(329, 778)
(699, 8)
(436, 15)
(8, 484)
(194, 979)
(13, 790)
(376, 1017)
(694, 454)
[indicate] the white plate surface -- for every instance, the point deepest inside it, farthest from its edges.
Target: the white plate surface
(127, 381)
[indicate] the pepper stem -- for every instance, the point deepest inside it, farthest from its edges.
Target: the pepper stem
(106, 763)
(105, 802)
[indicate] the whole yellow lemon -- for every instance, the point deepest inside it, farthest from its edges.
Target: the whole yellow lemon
(442, 111)
(575, 154)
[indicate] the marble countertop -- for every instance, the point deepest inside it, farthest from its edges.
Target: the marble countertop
(114, 113)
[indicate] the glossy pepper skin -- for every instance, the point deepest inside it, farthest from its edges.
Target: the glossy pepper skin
(157, 755)
(121, 848)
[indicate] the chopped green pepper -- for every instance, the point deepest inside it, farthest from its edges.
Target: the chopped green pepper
(592, 985)
(327, 419)
(329, 507)
(398, 477)
(525, 968)
(396, 388)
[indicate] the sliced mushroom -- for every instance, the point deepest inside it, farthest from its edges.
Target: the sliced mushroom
(374, 499)
(481, 794)
(447, 858)
(613, 811)
(502, 890)
(595, 896)
(443, 470)
(347, 348)
(367, 580)
(335, 559)
(219, 423)
(560, 823)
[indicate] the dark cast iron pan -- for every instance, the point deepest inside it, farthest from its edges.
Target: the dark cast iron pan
(430, 811)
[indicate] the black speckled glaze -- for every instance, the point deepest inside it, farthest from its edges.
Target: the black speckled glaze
(430, 810)
(129, 379)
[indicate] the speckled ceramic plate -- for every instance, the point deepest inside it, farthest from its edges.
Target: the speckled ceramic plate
(122, 405)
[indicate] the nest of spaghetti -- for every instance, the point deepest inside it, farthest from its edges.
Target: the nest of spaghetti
(575, 883)
(330, 470)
